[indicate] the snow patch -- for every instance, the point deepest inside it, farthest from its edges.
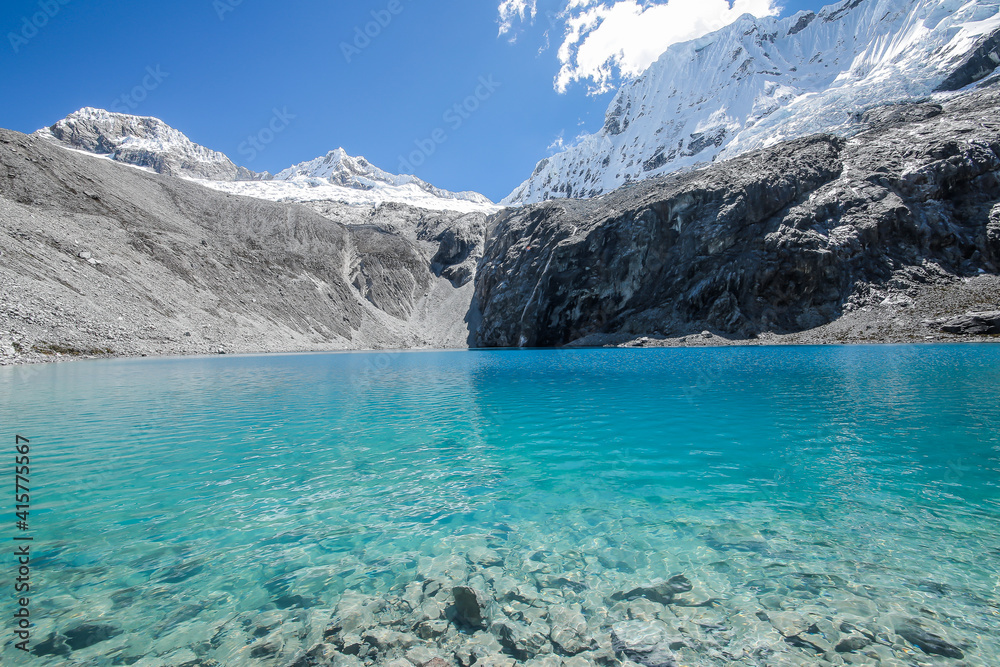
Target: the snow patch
(766, 80)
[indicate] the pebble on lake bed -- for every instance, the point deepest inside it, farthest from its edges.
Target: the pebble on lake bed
(502, 605)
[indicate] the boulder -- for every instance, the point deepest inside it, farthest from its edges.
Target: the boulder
(972, 324)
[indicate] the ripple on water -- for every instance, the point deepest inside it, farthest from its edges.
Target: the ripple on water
(203, 507)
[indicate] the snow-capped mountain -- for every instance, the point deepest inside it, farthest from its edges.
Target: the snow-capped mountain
(339, 177)
(760, 81)
(144, 142)
(307, 189)
(339, 168)
(150, 143)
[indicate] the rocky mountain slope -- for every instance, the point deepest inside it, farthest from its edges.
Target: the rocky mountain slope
(782, 240)
(890, 235)
(143, 142)
(760, 81)
(98, 257)
(336, 177)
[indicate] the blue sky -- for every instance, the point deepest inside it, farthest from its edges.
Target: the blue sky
(219, 71)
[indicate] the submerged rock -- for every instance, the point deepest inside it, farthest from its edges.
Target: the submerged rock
(432, 629)
(520, 640)
(644, 642)
(78, 637)
(90, 633)
(788, 623)
(928, 642)
(320, 654)
(472, 607)
(662, 592)
(479, 647)
(569, 630)
(54, 644)
(266, 648)
(356, 612)
(852, 643)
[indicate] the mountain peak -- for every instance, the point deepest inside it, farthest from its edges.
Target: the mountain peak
(148, 142)
(143, 141)
(759, 81)
(347, 171)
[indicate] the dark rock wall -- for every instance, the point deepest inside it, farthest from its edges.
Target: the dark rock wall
(777, 240)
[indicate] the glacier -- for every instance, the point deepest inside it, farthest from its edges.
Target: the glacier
(339, 177)
(760, 81)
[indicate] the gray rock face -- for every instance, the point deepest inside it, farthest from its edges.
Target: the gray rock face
(144, 142)
(972, 323)
(460, 249)
(453, 240)
(774, 241)
(386, 272)
(100, 258)
(979, 63)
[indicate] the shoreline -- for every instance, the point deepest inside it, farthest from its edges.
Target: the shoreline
(691, 341)
(884, 316)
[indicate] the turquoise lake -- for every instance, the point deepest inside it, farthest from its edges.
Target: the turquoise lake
(177, 502)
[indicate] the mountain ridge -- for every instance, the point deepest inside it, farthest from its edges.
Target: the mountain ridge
(102, 258)
(890, 236)
(759, 81)
(873, 236)
(148, 142)
(142, 141)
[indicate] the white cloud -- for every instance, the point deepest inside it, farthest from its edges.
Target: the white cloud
(605, 41)
(557, 144)
(511, 10)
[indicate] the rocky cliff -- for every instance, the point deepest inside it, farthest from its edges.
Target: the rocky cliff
(780, 240)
